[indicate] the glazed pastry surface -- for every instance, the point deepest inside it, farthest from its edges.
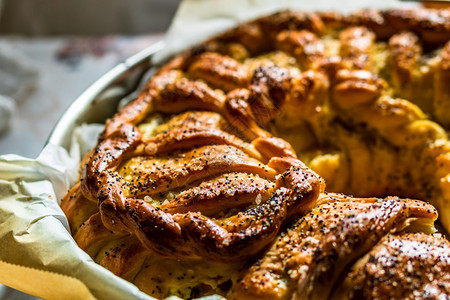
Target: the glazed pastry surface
(308, 260)
(212, 181)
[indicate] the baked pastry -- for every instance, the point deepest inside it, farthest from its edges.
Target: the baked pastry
(309, 259)
(399, 259)
(196, 179)
(190, 192)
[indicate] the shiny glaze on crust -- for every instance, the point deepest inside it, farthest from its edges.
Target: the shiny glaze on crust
(210, 187)
(191, 234)
(306, 260)
(403, 266)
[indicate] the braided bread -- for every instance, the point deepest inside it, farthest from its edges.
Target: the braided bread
(308, 260)
(195, 187)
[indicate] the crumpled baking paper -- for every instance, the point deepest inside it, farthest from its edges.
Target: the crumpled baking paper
(37, 253)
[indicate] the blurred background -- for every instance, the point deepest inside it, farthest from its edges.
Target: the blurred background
(85, 17)
(52, 50)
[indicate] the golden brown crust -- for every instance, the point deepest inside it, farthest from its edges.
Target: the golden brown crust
(77, 208)
(306, 261)
(184, 94)
(190, 137)
(405, 266)
(125, 257)
(258, 36)
(191, 234)
(303, 45)
(375, 20)
(388, 112)
(431, 24)
(210, 183)
(442, 87)
(92, 235)
(356, 45)
(234, 238)
(166, 172)
(405, 52)
(354, 87)
(220, 71)
(268, 89)
(215, 196)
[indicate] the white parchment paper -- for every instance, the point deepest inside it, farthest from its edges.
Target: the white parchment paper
(33, 229)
